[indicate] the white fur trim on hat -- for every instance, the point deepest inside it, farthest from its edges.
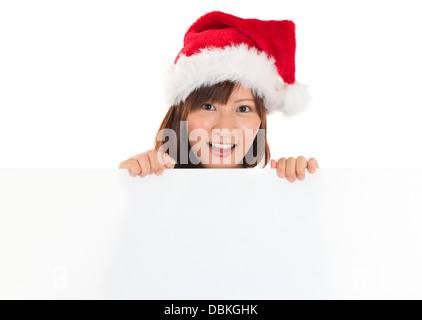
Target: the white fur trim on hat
(237, 63)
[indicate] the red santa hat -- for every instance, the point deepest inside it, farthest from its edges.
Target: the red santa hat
(258, 54)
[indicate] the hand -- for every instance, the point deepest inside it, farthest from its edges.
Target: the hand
(291, 167)
(148, 162)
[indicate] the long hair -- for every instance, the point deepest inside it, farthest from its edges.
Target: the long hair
(218, 93)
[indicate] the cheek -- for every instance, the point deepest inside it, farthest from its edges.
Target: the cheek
(197, 123)
(249, 131)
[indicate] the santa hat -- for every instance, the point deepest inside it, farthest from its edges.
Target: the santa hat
(258, 54)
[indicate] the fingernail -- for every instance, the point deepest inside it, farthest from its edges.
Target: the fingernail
(312, 170)
(159, 172)
(282, 174)
(300, 176)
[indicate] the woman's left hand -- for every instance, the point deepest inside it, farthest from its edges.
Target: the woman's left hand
(292, 168)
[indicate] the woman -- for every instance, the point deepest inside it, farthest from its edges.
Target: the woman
(230, 74)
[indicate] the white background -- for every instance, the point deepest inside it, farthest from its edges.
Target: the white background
(80, 80)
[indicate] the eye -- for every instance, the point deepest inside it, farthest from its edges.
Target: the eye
(245, 107)
(207, 105)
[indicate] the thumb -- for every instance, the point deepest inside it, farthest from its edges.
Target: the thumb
(169, 161)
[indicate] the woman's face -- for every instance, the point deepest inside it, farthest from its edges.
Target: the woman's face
(236, 122)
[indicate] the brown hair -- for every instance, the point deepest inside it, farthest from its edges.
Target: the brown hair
(218, 93)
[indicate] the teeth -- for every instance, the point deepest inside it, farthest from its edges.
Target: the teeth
(222, 146)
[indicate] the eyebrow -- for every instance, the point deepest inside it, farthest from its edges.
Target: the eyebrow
(245, 100)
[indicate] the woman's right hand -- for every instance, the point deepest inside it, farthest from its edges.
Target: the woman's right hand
(148, 162)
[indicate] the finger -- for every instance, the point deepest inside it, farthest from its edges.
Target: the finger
(273, 163)
(132, 165)
(291, 169)
(159, 172)
(312, 165)
(154, 163)
(281, 167)
(162, 163)
(301, 164)
(170, 162)
(161, 159)
(145, 165)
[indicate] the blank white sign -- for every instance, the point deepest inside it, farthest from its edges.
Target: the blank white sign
(210, 234)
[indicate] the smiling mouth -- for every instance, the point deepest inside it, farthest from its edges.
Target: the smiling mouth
(221, 152)
(217, 146)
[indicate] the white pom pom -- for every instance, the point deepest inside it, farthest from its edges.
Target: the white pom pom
(296, 99)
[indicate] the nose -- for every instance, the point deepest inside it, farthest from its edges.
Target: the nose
(224, 123)
(225, 130)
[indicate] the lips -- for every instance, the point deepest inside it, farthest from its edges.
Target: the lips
(211, 146)
(220, 152)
